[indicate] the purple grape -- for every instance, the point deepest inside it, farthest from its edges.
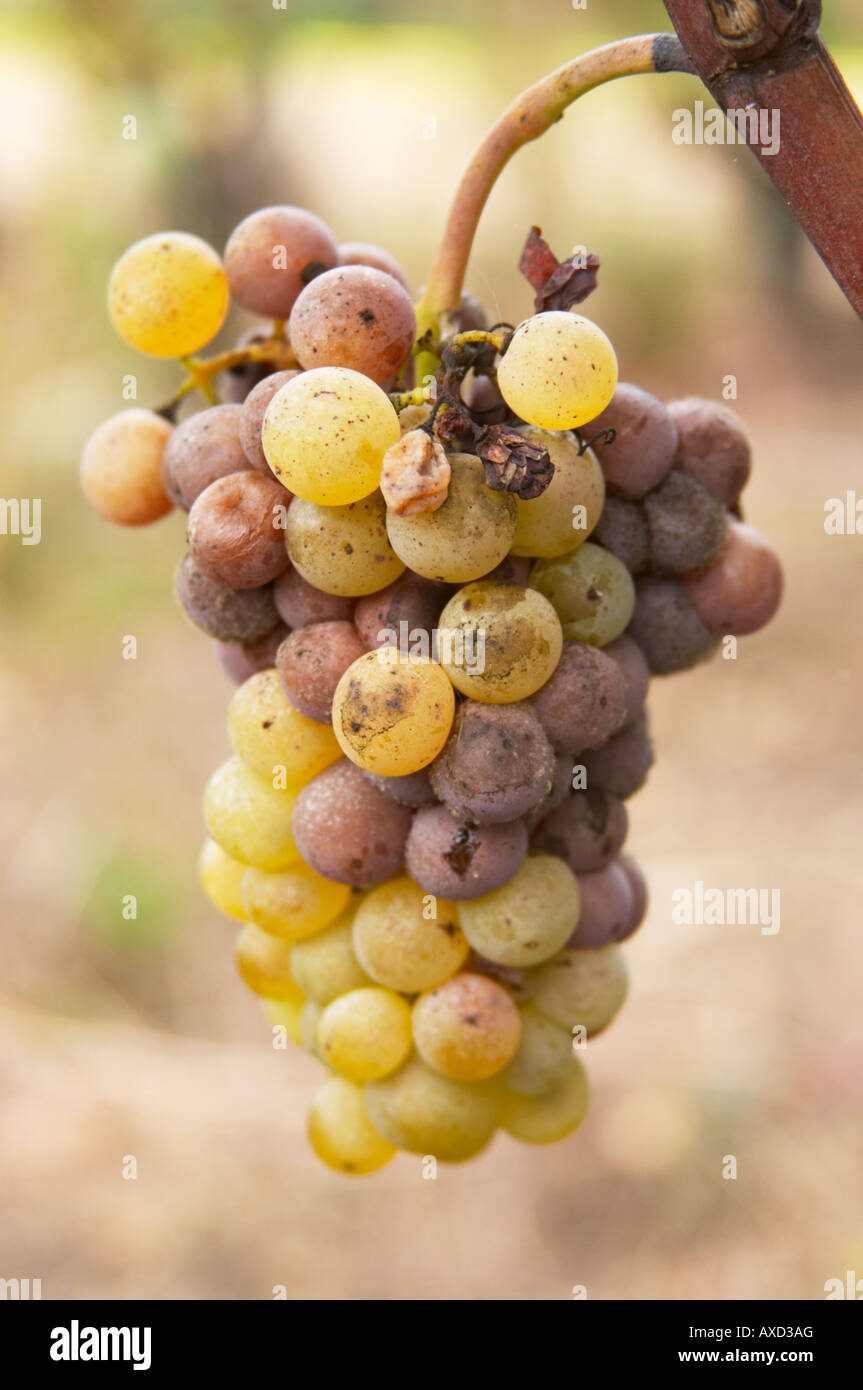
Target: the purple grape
(587, 830)
(240, 660)
(686, 525)
(621, 765)
(446, 854)
(638, 884)
(666, 626)
(300, 604)
(412, 789)
(622, 529)
(644, 442)
(712, 447)
(636, 672)
(347, 830)
(227, 614)
(607, 906)
(584, 701)
(497, 763)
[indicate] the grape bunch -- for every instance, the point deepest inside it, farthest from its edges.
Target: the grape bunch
(441, 603)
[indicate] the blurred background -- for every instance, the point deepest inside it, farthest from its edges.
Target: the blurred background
(135, 1037)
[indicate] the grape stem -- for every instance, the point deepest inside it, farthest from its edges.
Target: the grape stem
(201, 371)
(529, 116)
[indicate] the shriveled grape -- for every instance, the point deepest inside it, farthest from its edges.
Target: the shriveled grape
(236, 530)
(227, 614)
(354, 316)
(620, 766)
(741, 589)
(645, 438)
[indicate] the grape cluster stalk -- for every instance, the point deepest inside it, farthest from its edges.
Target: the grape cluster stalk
(441, 607)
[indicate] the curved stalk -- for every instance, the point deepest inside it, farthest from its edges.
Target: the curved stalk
(529, 116)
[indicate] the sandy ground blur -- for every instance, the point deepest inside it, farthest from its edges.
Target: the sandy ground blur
(136, 1040)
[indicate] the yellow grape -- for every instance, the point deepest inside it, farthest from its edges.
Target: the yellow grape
(529, 918)
(325, 434)
(250, 818)
(310, 1017)
(340, 1131)
(121, 468)
(563, 516)
(285, 1013)
(558, 372)
(498, 642)
(419, 1110)
(326, 965)
(342, 550)
(464, 538)
(221, 879)
(268, 734)
(292, 904)
(406, 939)
(264, 964)
(392, 711)
(365, 1033)
(582, 988)
(168, 294)
(547, 1118)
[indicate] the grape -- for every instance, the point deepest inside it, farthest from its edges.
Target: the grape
(293, 904)
(311, 663)
(622, 529)
(529, 918)
(582, 988)
(411, 601)
(405, 939)
(342, 550)
(607, 905)
(470, 313)
(200, 450)
(411, 789)
(584, 701)
(561, 786)
(586, 830)
(264, 964)
(667, 627)
(547, 1118)
(300, 604)
(620, 766)
(325, 965)
(340, 1131)
(741, 590)
(636, 672)
(484, 400)
(392, 712)
(236, 530)
(543, 1059)
(364, 253)
(252, 417)
(558, 372)
(239, 660)
(366, 1033)
(712, 447)
(419, 1110)
(645, 438)
(325, 434)
(224, 613)
(272, 253)
(249, 818)
(685, 523)
(496, 765)
(285, 1013)
(168, 294)
(563, 516)
(467, 1028)
(591, 592)
(221, 879)
(518, 981)
(499, 643)
(347, 830)
(638, 885)
(235, 383)
(449, 855)
(272, 737)
(121, 468)
(357, 317)
(464, 538)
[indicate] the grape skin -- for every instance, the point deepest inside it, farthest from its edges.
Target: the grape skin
(348, 830)
(342, 550)
(712, 447)
(168, 294)
(293, 904)
(591, 592)
(227, 614)
(465, 537)
(499, 643)
(325, 434)
(254, 409)
(741, 590)
(546, 525)
(547, 1118)
(620, 766)
(419, 1110)
(467, 1029)
(392, 712)
(366, 1033)
(269, 734)
(607, 906)
(200, 450)
(121, 468)
(529, 918)
(221, 879)
(582, 988)
(236, 533)
(584, 701)
(325, 965)
(585, 831)
(312, 661)
(268, 253)
(558, 372)
(341, 1133)
(447, 854)
(249, 818)
(667, 626)
(300, 604)
(401, 947)
(645, 438)
(496, 765)
(354, 316)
